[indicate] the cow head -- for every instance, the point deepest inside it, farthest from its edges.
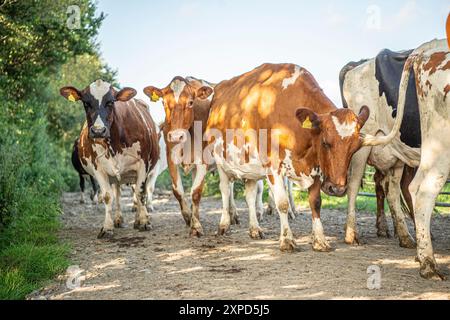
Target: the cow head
(178, 100)
(335, 138)
(98, 100)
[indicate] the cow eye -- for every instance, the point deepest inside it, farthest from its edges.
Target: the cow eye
(190, 103)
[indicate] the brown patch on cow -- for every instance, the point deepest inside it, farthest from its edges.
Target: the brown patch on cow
(107, 198)
(446, 66)
(197, 194)
(428, 84)
(435, 61)
(133, 124)
(446, 91)
(85, 148)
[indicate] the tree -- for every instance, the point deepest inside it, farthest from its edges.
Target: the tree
(35, 41)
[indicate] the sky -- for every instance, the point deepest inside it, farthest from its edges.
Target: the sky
(150, 42)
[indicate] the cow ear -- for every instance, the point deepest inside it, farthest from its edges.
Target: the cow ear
(364, 114)
(153, 93)
(70, 93)
(308, 119)
(125, 94)
(204, 92)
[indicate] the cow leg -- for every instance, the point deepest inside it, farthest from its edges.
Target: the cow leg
(315, 202)
(225, 220)
(142, 218)
(196, 195)
(393, 197)
(259, 200)
(407, 177)
(107, 231)
(178, 192)
(151, 182)
(234, 218)
(82, 186)
(271, 207)
(356, 173)
(133, 190)
(251, 191)
(118, 220)
(94, 193)
(292, 208)
(382, 227)
(430, 179)
(276, 184)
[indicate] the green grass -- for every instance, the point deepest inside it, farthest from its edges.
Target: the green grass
(30, 252)
(365, 204)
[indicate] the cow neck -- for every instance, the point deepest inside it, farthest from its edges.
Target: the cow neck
(201, 113)
(304, 161)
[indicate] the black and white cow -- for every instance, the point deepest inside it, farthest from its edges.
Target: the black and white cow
(375, 83)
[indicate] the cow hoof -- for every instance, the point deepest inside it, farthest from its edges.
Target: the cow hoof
(287, 245)
(82, 201)
(118, 223)
(196, 232)
(321, 246)
(134, 209)
(351, 238)
(383, 234)
(256, 233)
(145, 227)
(223, 230)
(268, 211)
(150, 209)
(428, 270)
(105, 234)
(407, 242)
(235, 219)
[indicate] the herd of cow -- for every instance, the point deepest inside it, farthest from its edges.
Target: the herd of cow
(396, 117)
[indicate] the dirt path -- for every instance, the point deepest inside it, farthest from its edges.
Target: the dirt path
(166, 263)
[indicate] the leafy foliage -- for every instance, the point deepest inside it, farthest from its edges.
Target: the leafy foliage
(38, 55)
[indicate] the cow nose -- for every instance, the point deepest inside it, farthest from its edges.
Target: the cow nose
(98, 132)
(177, 136)
(337, 191)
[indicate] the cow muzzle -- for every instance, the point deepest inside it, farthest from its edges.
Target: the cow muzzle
(177, 136)
(332, 189)
(98, 132)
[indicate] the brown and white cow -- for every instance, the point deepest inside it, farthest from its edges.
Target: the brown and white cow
(430, 64)
(186, 102)
(118, 145)
(316, 141)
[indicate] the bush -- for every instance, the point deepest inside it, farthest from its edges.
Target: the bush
(30, 185)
